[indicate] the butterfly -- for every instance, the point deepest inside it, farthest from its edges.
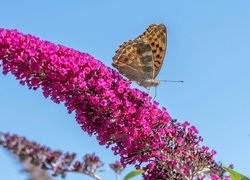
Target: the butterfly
(141, 59)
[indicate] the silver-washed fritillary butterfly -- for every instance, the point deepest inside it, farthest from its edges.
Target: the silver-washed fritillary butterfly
(141, 59)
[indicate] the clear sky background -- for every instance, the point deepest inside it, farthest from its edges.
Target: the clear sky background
(208, 48)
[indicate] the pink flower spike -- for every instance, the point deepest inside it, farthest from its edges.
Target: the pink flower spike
(104, 104)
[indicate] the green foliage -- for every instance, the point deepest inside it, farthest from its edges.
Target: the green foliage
(133, 174)
(235, 175)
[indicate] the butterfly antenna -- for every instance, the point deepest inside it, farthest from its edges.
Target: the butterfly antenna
(170, 81)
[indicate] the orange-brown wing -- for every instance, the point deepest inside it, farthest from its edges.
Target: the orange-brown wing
(156, 36)
(134, 60)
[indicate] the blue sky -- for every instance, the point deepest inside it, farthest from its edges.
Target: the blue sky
(208, 48)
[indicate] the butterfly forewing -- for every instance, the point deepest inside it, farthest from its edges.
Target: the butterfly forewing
(156, 36)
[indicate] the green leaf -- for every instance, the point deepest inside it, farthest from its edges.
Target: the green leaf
(133, 174)
(235, 175)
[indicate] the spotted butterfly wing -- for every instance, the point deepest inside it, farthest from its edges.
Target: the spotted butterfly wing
(156, 36)
(140, 60)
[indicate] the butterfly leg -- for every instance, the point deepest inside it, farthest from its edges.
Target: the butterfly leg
(155, 93)
(149, 91)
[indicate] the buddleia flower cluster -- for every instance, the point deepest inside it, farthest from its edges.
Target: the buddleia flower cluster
(105, 105)
(38, 159)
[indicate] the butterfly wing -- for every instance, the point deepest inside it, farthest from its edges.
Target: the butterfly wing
(156, 36)
(134, 59)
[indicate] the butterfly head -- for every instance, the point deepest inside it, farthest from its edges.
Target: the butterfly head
(155, 82)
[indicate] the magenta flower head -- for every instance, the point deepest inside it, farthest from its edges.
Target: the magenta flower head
(117, 167)
(105, 105)
(40, 158)
(92, 162)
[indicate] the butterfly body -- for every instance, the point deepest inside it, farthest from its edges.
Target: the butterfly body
(140, 60)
